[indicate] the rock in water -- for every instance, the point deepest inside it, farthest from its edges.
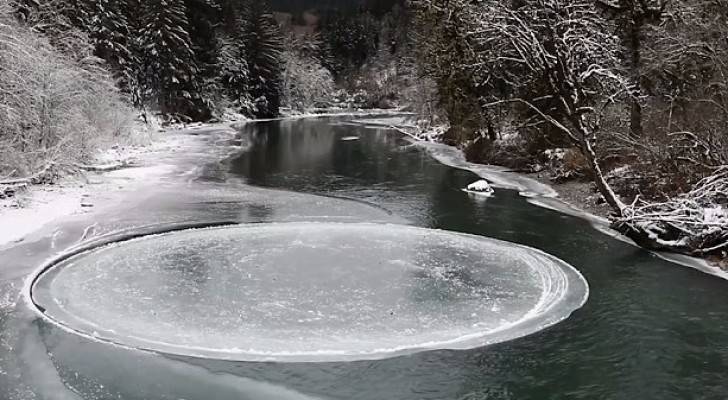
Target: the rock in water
(481, 187)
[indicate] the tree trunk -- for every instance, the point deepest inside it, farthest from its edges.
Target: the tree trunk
(492, 134)
(602, 185)
(635, 49)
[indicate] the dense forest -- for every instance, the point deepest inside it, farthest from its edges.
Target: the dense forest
(73, 71)
(628, 94)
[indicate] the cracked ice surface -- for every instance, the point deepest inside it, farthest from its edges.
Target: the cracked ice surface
(309, 291)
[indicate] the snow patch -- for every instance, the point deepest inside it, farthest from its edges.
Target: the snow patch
(715, 215)
(145, 165)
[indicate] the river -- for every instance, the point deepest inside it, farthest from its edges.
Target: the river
(649, 329)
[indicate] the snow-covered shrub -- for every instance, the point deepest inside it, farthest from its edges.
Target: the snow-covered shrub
(55, 109)
(306, 82)
(565, 163)
(346, 99)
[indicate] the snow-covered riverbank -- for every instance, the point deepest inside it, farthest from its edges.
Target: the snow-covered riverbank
(569, 198)
(144, 165)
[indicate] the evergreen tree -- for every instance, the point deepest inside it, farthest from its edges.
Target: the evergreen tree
(350, 38)
(63, 22)
(78, 12)
(233, 71)
(109, 30)
(264, 47)
(25, 8)
(137, 82)
(203, 17)
(634, 17)
(170, 60)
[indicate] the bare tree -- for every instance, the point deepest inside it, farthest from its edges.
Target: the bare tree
(686, 145)
(560, 60)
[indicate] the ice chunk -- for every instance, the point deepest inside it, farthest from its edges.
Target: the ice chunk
(308, 291)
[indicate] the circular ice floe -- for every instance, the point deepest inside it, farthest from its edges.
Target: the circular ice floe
(308, 291)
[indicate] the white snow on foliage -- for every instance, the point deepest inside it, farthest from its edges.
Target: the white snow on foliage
(557, 154)
(716, 215)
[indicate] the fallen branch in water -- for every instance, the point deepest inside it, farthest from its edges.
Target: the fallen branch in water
(7, 191)
(10, 187)
(45, 175)
(51, 172)
(695, 223)
(105, 167)
(404, 132)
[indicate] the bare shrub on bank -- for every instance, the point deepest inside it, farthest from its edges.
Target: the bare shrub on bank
(55, 109)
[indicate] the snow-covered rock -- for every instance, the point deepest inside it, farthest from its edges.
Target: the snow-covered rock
(480, 187)
(556, 154)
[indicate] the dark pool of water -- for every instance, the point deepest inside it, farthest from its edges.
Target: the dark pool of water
(650, 329)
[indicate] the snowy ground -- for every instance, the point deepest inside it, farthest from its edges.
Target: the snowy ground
(90, 191)
(40, 205)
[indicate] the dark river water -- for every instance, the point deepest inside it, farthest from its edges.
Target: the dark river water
(649, 330)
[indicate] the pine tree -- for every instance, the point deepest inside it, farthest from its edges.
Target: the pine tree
(137, 84)
(233, 72)
(170, 60)
(78, 12)
(204, 17)
(351, 39)
(110, 33)
(634, 17)
(264, 47)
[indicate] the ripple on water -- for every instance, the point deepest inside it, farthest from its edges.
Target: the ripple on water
(308, 291)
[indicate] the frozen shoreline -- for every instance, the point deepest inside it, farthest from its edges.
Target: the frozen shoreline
(94, 191)
(537, 192)
(544, 195)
